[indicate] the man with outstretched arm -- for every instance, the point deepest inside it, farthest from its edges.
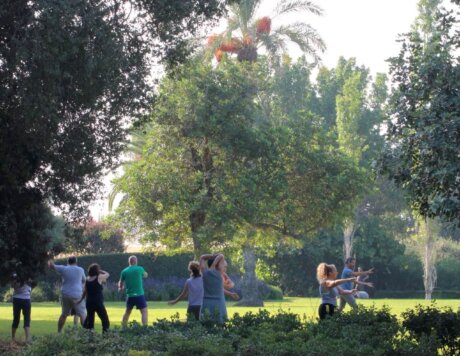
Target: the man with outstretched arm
(73, 280)
(132, 280)
(349, 272)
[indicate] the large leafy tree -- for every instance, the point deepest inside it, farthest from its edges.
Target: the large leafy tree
(423, 140)
(71, 74)
(225, 161)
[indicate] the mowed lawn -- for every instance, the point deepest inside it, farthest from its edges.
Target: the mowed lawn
(45, 315)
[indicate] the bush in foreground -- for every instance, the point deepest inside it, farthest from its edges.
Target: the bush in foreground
(366, 332)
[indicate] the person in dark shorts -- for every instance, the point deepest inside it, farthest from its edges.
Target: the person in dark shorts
(132, 278)
(193, 290)
(21, 302)
(329, 288)
(95, 298)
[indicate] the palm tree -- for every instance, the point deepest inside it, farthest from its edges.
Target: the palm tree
(245, 35)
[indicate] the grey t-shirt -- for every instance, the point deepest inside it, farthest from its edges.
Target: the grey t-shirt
(22, 291)
(195, 290)
(73, 278)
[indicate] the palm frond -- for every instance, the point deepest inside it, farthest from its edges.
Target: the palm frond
(245, 10)
(305, 37)
(288, 6)
(112, 195)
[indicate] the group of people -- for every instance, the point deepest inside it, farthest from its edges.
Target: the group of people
(205, 290)
(346, 287)
(82, 295)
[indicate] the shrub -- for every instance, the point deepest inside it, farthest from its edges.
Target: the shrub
(426, 321)
(8, 296)
(366, 332)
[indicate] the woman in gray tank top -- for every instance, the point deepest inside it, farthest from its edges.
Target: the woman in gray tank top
(329, 288)
(193, 290)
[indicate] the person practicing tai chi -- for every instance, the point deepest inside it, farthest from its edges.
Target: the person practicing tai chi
(73, 279)
(95, 298)
(193, 289)
(214, 305)
(21, 302)
(329, 288)
(132, 278)
(348, 272)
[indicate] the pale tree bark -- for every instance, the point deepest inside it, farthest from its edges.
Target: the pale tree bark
(249, 283)
(349, 231)
(429, 231)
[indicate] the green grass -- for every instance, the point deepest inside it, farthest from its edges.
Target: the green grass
(45, 315)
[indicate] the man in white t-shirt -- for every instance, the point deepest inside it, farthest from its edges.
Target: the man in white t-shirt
(73, 280)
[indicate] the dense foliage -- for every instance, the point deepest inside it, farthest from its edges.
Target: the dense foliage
(367, 332)
(423, 140)
(71, 73)
(93, 238)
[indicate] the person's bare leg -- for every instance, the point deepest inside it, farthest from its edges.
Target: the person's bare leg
(27, 331)
(145, 316)
(61, 322)
(13, 334)
(126, 315)
(82, 319)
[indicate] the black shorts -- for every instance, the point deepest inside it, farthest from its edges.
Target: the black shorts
(325, 310)
(138, 301)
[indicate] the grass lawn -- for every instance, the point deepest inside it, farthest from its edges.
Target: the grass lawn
(45, 315)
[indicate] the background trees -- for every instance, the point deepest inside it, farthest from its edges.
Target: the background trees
(422, 150)
(226, 162)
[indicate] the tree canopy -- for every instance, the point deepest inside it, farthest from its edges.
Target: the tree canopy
(72, 73)
(422, 149)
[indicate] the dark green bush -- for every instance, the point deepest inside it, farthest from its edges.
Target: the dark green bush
(366, 332)
(443, 324)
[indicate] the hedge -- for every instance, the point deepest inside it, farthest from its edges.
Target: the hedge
(367, 331)
(167, 275)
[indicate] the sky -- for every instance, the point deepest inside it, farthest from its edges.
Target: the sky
(364, 29)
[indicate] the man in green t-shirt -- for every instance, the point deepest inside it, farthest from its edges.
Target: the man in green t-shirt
(131, 278)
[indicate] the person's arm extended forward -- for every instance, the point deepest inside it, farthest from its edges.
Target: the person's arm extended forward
(336, 282)
(368, 284)
(182, 295)
(363, 273)
(346, 292)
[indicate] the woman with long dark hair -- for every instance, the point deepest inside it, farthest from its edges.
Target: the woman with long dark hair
(95, 298)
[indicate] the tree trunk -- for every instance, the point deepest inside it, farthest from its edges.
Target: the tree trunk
(429, 259)
(197, 219)
(251, 296)
(349, 231)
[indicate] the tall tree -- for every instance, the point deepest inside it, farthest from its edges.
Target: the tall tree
(224, 147)
(422, 149)
(71, 73)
